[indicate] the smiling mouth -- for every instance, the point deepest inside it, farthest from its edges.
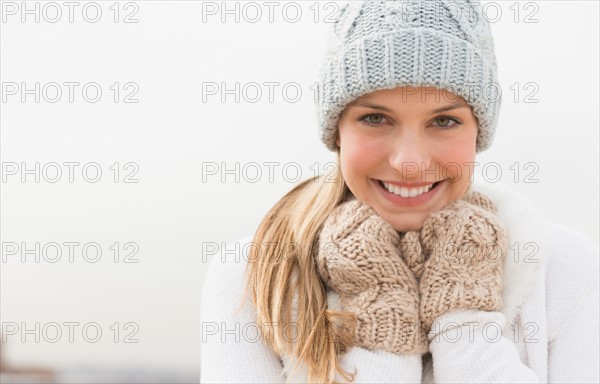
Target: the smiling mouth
(407, 192)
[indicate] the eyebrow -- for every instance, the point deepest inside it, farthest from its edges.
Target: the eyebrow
(448, 107)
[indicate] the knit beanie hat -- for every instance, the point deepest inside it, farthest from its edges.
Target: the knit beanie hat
(376, 45)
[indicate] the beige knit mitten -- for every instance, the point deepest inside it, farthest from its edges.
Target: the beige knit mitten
(359, 258)
(412, 253)
(465, 245)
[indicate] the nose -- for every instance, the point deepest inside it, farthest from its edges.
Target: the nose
(410, 154)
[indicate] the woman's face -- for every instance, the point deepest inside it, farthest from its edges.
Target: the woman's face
(407, 138)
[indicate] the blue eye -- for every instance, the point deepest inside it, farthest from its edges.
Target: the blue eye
(444, 121)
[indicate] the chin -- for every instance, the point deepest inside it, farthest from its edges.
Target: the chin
(407, 225)
(405, 229)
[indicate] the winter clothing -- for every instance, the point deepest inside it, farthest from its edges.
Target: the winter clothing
(359, 257)
(546, 330)
(465, 246)
(376, 45)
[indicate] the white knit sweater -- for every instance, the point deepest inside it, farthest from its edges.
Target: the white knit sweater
(547, 331)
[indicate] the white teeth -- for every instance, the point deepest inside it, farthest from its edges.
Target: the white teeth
(406, 192)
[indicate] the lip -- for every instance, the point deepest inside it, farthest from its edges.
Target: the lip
(408, 185)
(408, 201)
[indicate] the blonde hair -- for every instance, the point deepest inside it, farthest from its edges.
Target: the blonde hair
(280, 274)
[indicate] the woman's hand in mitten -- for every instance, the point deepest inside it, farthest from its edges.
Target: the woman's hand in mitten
(412, 252)
(359, 258)
(465, 245)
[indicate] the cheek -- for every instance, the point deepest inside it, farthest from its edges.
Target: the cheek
(359, 157)
(458, 157)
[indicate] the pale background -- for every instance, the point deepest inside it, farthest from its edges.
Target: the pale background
(170, 133)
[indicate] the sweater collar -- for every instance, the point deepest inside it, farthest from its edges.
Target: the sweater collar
(527, 230)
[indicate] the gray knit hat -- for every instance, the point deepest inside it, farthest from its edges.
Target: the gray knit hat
(377, 45)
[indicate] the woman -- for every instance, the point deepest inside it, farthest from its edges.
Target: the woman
(403, 269)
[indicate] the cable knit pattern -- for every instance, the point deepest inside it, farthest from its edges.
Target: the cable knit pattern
(359, 258)
(377, 45)
(412, 252)
(465, 245)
